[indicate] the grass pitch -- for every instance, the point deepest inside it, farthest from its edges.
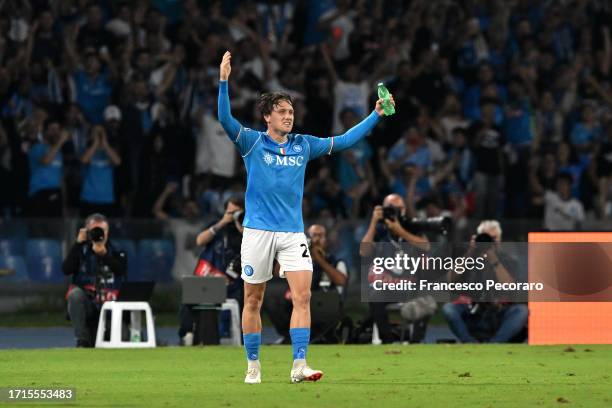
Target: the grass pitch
(355, 376)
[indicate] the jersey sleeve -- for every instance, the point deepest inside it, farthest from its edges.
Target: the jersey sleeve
(246, 140)
(319, 146)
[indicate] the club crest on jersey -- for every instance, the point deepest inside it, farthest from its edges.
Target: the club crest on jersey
(297, 148)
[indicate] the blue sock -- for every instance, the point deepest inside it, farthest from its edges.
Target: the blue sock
(252, 342)
(299, 342)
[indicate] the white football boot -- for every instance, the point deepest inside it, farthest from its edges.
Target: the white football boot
(304, 373)
(253, 374)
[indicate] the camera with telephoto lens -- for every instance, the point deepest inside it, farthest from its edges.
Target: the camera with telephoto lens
(95, 234)
(391, 213)
(440, 225)
(484, 242)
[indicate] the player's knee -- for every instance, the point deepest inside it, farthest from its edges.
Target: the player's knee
(253, 302)
(301, 298)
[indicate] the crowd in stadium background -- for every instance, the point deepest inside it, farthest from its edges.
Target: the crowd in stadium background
(495, 100)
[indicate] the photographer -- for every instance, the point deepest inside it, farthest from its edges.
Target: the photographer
(220, 257)
(95, 267)
(329, 274)
(495, 321)
(389, 224)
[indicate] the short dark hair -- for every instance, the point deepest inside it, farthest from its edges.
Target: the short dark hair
(268, 100)
(236, 200)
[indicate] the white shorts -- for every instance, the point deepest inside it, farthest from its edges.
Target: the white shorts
(260, 248)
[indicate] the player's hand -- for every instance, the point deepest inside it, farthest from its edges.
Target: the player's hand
(379, 107)
(226, 66)
(377, 214)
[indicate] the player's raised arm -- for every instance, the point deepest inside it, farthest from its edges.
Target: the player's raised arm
(321, 146)
(231, 125)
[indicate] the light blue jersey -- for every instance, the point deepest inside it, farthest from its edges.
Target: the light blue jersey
(275, 172)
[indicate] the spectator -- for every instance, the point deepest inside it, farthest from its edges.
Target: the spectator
(350, 91)
(461, 152)
(518, 132)
(117, 134)
(451, 117)
(604, 171)
(91, 85)
(587, 131)
(215, 153)
(354, 171)
(326, 193)
(561, 211)
(542, 176)
(47, 43)
(487, 142)
(46, 175)
(549, 122)
(475, 93)
(78, 128)
(92, 33)
(154, 174)
(411, 150)
(99, 160)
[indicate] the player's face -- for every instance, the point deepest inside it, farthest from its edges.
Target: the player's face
(281, 117)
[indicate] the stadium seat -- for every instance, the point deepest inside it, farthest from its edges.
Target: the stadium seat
(11, 246)
(44, 260)
(129, 247)
(16, 263)
(155, 259)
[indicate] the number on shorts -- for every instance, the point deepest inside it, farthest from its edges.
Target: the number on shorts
(305, 253)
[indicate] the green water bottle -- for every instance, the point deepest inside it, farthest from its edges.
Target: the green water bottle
(383, 93)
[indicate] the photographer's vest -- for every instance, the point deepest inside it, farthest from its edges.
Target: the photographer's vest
(95, 277)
